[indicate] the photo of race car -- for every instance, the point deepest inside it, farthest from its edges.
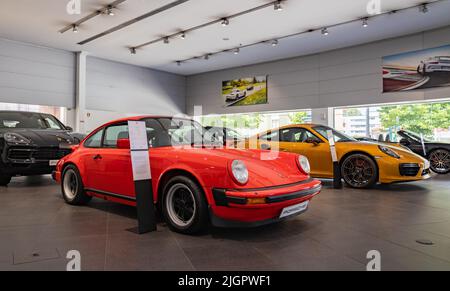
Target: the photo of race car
(434, 64)
(235, 95)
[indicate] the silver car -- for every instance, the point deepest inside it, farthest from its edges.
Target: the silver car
(434, 64)
(236, 94)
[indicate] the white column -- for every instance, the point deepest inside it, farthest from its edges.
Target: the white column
(80, 98)
(323, 116)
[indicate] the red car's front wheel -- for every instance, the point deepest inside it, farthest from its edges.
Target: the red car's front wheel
(184, 205)
(72, 187)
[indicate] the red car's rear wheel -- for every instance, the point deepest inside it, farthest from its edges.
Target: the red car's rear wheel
(184, 205)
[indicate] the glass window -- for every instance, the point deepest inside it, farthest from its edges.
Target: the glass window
(338, 136)
(95, 141)
(271, 136)
(296, 134)
(113, 133)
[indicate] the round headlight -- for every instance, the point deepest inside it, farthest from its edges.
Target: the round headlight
(239, 171)
(303, 164)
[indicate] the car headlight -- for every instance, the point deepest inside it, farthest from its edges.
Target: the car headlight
(239, 171)
(15, 138)
(388, 151)
(303, 164)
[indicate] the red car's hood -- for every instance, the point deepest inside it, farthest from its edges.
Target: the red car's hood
(265, 168)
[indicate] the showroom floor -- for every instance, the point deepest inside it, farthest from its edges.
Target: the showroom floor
(37, 229)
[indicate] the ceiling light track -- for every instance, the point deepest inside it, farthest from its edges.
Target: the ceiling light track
(108, 10)
(225, 21)
(135, 20)
(323, 30)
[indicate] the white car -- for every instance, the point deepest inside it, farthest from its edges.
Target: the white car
(434, 64)
(236, 94)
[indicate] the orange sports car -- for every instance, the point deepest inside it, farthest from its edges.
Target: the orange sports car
(363, 164)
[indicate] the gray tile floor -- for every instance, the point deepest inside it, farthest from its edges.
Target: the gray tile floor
(37, 229)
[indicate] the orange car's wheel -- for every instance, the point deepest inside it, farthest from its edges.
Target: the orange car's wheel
(359, 171)
(72, 187)
(184, 206)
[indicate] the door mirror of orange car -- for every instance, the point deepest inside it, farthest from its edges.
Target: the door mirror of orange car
(313, 141)
(123, 143)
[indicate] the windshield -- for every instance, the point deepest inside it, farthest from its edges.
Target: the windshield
(338, 136)
(164, 132)
(414, 136)
(29, 120)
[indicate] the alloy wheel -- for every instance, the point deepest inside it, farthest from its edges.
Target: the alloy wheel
(440, 161)
(357, 171)
(181, 206)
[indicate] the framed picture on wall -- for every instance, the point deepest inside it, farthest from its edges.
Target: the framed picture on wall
(245, 91)
(416, 70)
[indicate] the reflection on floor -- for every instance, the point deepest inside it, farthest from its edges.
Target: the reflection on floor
(37, 229)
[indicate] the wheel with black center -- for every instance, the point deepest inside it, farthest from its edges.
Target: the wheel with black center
(72, 187)
(440, 161)
(359, 171)
(184, 206)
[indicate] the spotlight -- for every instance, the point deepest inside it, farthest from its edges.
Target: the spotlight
(207, 57)
(133, 50)
(75, 28)
(325, 31)
(236, 51)
(178, 63)
(166, 40)
(274, 42)
(424, 8)
(225, 22)
(110, 11)
(365, 22)
(183, 35)
(278, 6)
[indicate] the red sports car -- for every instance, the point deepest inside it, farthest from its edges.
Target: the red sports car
(193, 184)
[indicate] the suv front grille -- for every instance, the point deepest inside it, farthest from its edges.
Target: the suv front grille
(37, 154)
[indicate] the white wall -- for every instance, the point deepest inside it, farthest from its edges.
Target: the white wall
(115, 90)
(36, 75)
(350, 76)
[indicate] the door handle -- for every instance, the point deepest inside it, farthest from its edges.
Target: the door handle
(97, 157)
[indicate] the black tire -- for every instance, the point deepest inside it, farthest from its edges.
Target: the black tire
(185, 195)
(5, 180)
(359, 171)
(72, 187)
(440, 161)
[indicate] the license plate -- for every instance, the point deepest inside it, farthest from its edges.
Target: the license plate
(294, 209)
(53, 162)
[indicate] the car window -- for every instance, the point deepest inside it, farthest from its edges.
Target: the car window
(51, 123)
(113, 133)
(296, 135)
(271, 136)
(28, 120)
(95, 141)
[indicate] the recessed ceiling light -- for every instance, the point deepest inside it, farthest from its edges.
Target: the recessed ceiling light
(183, 35)
(365, 22)
(166, 40)
(278, 6)
(207, 57)
(226, 39)
(325, 31)
(75, 28)
(236, 51)
(424, 8)
(178, 63)
(225, 22)
(274, 42)
(110, 11)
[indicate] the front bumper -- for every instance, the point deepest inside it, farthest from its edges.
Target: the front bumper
(404, 171)
(255, 207)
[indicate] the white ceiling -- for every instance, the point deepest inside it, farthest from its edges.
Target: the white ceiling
(38, 22)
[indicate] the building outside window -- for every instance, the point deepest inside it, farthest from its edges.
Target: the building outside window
(432, 120)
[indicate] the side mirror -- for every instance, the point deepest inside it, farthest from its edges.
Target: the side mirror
(69, 129)
(312, 140)
(123, 143)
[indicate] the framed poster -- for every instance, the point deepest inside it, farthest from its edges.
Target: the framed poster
(245, 91)
(416, 70)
